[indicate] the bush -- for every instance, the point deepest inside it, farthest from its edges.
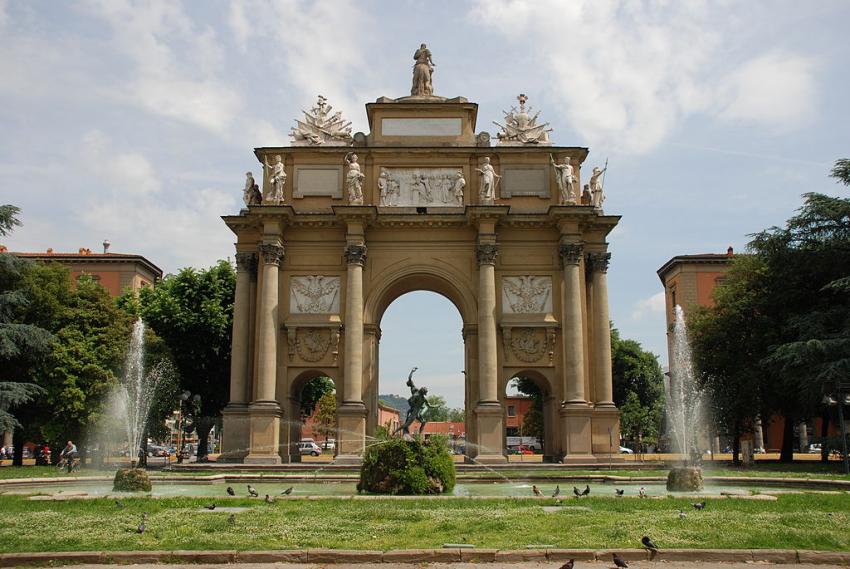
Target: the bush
(398, 466)
(685, 479)
(131, 480)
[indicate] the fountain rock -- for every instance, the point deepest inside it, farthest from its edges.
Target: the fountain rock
(399, 466)
(131, 480)
(685, 479)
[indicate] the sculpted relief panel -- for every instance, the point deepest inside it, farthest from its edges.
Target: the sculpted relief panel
(315, 294)
(417, 187)
(527, 294)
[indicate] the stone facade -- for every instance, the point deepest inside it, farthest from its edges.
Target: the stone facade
(527, 275)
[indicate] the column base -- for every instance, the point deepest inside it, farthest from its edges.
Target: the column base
(264, 433)
(235, 431)
(490, 422)
(576, 430)
(605, 424)
(351, 432)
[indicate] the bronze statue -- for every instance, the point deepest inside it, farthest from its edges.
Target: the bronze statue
(418, 406)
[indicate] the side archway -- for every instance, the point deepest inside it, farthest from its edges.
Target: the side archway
(304, 392)
(542, 391)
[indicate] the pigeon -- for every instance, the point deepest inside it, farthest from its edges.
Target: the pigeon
(647, 543)
(269, 499)
(141, 528)
(253, 492)
(231, 519)
(619, 492)
(144, 515)
(586, 491)
(120, 504)
(557, 491)
(287, 492)
(230, 491)
(536, 490)
(576, 492)
(210, 506)
(619, 561)
(642, 492)
(699, 505)
(569, 564)
(682, 515)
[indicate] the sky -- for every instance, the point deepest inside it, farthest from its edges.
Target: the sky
(135, 121)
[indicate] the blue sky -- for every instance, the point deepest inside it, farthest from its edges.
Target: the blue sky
(136, 121)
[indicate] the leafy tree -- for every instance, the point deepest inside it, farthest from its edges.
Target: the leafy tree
(325, 419)
(8, 219)
(532, 422)
(396, 402)
(457, 415)
(638, 389)
(192, 312)
(438, 411)
(313, 392)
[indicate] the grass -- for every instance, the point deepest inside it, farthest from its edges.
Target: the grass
(804, 521)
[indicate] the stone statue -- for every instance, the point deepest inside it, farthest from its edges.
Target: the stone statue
(457, 187)
(251, 194)
(320, 128)
(417, 407)
(277, 179)
(489, 180)
(383, 189)
(586, 198)
(566, 180)
(520, 128)
(354, 180)
(596, 186)
(423, 69)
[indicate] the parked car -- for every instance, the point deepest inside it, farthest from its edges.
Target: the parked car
(155, 450)
(625, 450)
(814, 448)
(520, 449)
(329, 444)
(309, 447)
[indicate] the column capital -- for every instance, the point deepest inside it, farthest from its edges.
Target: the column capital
(599, 261)
(272, 253)
(486, 253)
(355, 254)
(246, 262)
(570, 253)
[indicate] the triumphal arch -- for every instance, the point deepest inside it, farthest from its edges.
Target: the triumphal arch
(344, 224)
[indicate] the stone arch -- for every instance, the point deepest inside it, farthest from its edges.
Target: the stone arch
(292, 408)
(542, 378)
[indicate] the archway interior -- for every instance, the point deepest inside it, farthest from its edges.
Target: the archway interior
(526, 395)
(423, 329)
(316, 400)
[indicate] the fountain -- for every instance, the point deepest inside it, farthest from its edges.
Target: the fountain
(685, 412)
(132, 400)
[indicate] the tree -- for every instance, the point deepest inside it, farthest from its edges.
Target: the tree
(438, 411)
(312, 393)
(192, 312)
(325, 419)
(8, 219)
(457, 415)
(532, 422)
(638, 389)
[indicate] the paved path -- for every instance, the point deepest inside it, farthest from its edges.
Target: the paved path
(523, 565)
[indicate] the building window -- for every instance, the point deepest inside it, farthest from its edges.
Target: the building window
(511, 411)
(673, 302)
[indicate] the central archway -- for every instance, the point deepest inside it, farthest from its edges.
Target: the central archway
(390, 287)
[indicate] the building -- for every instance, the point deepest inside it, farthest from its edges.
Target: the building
(116, 272)
(347, 224)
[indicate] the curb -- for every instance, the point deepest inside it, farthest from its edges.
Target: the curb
(339, 556)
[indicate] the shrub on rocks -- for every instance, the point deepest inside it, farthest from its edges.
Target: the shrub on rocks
(685, 479)
(131, 480)
(414, 467)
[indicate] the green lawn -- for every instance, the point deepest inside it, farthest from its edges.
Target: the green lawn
(800, 521)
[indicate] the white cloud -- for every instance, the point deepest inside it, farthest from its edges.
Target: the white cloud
(775, 89)
(4, 17)
(649, 307)
(121, 172)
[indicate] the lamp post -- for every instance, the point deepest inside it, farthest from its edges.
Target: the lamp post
(840, 398)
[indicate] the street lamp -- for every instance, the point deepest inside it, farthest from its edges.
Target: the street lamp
(839, 398)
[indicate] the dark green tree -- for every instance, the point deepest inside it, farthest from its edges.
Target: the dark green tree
(8, 219)
(532, 422)
(312, 393)
(192, 312)
(638, 389)
(438, 411)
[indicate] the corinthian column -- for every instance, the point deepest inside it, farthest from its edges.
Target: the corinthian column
(352, 413)
(265, 410)
(573, 334)
(601, 329)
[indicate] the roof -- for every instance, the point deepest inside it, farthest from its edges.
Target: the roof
(88, 257)
(700, 259)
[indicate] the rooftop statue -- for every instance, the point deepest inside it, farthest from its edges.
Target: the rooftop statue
(597, 181)
(251, 194)
(423, 70)
(321, 127)
(277, 179)
(521, 128)
(417, 407)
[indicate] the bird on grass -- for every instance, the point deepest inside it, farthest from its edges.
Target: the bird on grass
(210, 506)
(647, 543)
(682, 514)
(619, 492)
(253, 492)
(586, 491)
(536, 490)
(576, 492)
(642, 492)
(231, 491)
(120, 504)
(287, 492)
(699, 505)
(141, 528)
(269, 499)
(557, 491)
(231, 519)
(619, 561)
(569, 564)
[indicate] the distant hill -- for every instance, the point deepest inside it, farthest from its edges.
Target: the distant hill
(395, 401)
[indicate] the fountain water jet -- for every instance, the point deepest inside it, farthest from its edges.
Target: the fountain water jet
(685, 411)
